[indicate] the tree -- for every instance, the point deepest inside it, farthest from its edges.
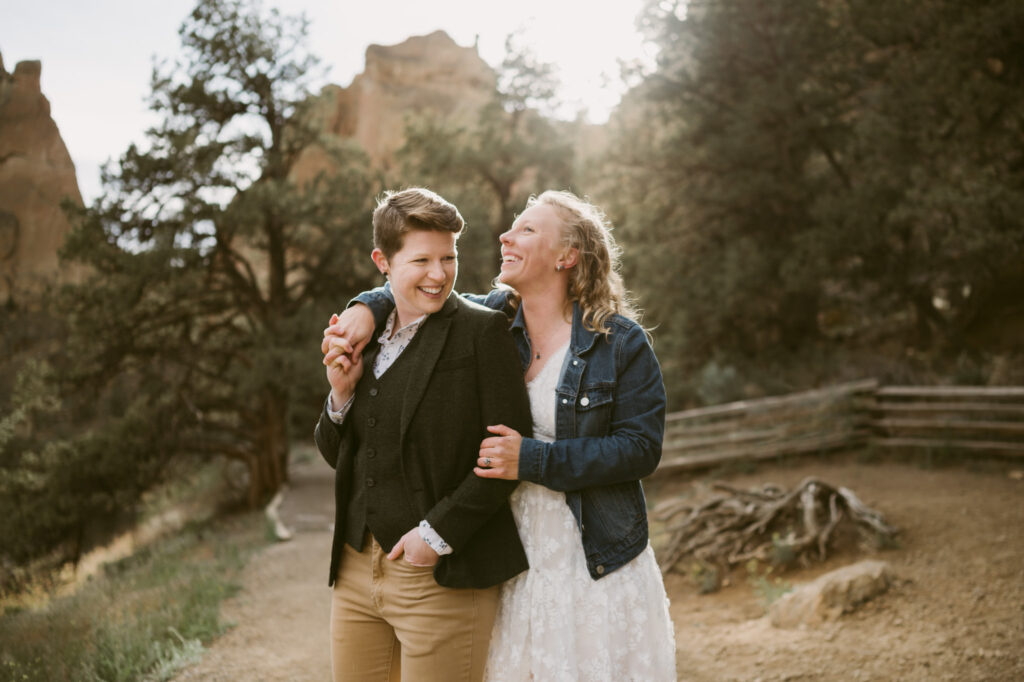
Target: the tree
(488, 167)
(929, 231)
(712, 171)
(820, 176)
(219, 248)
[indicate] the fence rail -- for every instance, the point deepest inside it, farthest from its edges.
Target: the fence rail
(847, 416)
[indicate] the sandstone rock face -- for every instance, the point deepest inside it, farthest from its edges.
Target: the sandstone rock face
(36, 174)
(424, 73)
(831, 595)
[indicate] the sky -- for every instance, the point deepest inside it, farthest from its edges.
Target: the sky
(97, 55)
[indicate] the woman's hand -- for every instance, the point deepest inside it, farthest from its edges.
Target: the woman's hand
(347, 335)
(343, 373)
(499, 454)
(417, 552)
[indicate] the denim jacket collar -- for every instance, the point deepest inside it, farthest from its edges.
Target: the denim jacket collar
(582, 338)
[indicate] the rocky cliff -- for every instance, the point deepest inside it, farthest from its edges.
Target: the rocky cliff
(424, 73)
(36, 174)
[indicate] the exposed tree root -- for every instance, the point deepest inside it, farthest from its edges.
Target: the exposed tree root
(771, 525)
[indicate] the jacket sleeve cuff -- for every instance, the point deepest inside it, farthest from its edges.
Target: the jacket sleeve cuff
(531, 460)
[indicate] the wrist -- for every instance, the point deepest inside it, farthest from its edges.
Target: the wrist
(339, 398)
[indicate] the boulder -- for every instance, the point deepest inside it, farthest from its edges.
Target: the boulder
(831, 595)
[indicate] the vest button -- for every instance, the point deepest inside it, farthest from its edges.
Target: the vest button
(371, 453)
(600, 570)
(374, 392)
(370, 483)
(372, 421)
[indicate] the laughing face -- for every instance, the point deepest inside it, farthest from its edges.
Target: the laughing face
(531, 249)
(422, 273)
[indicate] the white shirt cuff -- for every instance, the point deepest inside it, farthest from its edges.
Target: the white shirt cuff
(338, 416)
(433, 540)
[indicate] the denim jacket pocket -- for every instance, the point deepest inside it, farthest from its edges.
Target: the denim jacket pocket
(594, 410)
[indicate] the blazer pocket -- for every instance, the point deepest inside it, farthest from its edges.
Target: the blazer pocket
(449, 364)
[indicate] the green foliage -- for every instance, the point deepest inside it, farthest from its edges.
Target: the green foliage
(707, 577)
(220, 247)
(144, 618)
(802, 174)
(768, 589)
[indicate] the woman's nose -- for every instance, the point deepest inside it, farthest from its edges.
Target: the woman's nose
(505, 237)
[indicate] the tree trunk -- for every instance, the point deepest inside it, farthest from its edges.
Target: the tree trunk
(268, 469)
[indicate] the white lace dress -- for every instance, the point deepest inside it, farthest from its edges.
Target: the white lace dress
(554, 621)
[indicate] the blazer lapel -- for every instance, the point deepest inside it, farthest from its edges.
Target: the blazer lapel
(428, 350)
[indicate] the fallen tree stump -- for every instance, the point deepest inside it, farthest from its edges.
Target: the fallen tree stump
(769, 525)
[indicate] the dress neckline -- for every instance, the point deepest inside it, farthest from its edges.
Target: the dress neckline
(559, 355)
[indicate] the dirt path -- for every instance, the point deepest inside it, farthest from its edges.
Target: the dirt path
(956, 612)
(281, 614)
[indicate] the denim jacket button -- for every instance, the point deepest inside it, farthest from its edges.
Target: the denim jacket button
(584, 401)
(575, 363)
(565, 401)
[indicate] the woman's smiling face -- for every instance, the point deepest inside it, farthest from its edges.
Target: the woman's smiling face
(422, 273)
(530, 249)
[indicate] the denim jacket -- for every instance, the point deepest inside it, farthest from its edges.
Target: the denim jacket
(609, 425)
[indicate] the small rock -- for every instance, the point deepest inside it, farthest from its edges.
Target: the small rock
(831, 595)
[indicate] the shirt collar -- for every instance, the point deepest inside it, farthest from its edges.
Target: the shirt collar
(406, 332)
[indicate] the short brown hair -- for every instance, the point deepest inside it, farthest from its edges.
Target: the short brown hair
(415, 208)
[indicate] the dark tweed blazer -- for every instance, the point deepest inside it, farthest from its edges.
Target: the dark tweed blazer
(466, 376)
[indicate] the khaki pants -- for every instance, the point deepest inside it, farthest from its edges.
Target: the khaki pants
(390, 618)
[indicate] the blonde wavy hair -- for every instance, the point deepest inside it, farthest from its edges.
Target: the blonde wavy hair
(594, 282)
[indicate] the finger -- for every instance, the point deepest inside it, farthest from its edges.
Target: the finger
(490, 443)
(340, 343)
(494, 472)
(338, 357)
(360, 346)
(502, 430)
(343, 363)
(397, 550)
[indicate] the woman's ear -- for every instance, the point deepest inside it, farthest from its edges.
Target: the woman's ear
(569, 258)
(380, 260)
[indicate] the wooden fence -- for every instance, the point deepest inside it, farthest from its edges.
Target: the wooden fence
(846, 416)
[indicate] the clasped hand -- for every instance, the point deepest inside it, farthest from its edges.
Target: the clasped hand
(344, 339)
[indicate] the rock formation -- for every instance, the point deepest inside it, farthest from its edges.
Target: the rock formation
(36, 174)
(424, 73)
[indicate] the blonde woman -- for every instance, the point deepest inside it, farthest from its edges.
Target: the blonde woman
(593, 605)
